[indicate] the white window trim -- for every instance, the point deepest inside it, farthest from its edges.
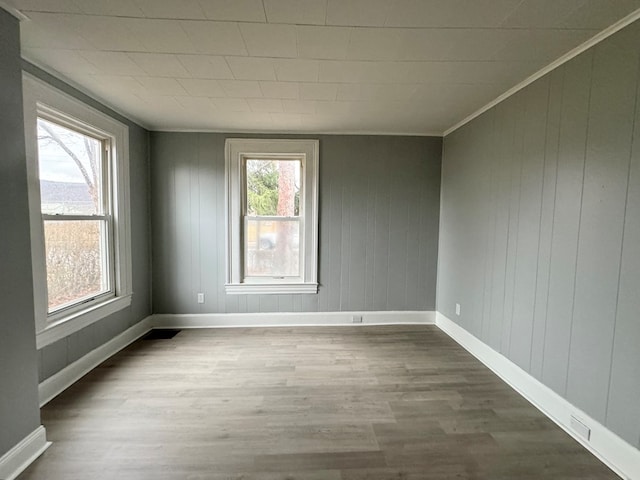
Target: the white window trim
(41, 97)
(235, 150)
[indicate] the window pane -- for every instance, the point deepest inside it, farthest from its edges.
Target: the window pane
(272, 248)
(76, 253)
(273, 187)
(70, 166)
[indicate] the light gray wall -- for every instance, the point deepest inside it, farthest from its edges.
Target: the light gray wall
(58, 355)
(379, 207)
(19, 414)
(540, 231)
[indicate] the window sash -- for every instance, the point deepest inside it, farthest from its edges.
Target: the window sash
(246, 278)
(107, 270)
(105, 196)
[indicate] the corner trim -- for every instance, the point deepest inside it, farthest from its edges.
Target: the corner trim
(620, 456)
(14, 11)
(599, 37)
(16, 460)
(62, 380)
(291, 319)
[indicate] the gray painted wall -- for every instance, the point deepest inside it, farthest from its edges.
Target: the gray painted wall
(19, 414)
(58, 355)
(379, 208)
(540, 230)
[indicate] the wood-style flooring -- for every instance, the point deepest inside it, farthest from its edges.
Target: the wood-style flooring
(325, 403)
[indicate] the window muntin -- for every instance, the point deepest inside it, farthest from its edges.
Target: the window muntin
(273, 247)
(76, 212)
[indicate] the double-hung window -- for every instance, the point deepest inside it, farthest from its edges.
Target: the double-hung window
(272, 189)
(79, 209)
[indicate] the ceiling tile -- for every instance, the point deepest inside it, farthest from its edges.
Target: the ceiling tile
(295, 70)
(158, 36)
(370, 92)
(160, 64)
(323, 42)
(196, 103)
(58, 6)
(161, 86)
(299, 12)
(114, 63)
(376, 43)
(265, 40)
(449, 13)
(594, 14)
(234, 10)
(170, 9)
(231, 104)
(116, 8)
(202, 87)
(358, 13)
(206, 66)
(288, 90)
(265, 104)
(250, 68)
(218, 38)
(111, 85)
(528, 45)
(299, 106)
(111, 33)
(47, 30)
(241, 88)
(318, 91)
(369, 72)
(598, 14)
(63, 61)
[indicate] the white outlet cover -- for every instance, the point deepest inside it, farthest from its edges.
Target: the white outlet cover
(457, 309)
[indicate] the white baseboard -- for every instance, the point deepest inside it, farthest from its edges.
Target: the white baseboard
(59, 382)
(219, 320)
(619, 455)
(16, 460)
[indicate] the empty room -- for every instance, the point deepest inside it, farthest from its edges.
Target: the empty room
(319, 239)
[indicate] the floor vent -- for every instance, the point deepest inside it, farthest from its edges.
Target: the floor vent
(161, 334)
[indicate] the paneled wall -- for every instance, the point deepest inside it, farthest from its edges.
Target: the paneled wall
(58, 355)
(540, 231)
(19, 414)
(379, 208)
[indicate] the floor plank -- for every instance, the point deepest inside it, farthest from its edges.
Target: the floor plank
(314, 403)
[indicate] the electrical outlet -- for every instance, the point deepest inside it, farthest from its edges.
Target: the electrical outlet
(458, 309)
(357, 319)
(580, 428)
(201, 298)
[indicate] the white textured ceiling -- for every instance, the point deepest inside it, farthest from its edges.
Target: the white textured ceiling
(357, 66)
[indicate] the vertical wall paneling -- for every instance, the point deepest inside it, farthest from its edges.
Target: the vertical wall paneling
(556, 286)
(379, 211)
(547, 212)
(613, 90)
(624, 388)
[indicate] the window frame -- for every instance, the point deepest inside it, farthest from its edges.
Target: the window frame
(237, 151)
(43, 100)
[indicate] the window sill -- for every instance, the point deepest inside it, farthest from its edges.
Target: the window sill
(270, 288)
(78, 320)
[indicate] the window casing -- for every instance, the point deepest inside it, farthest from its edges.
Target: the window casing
(79, 223)
(271, 216)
